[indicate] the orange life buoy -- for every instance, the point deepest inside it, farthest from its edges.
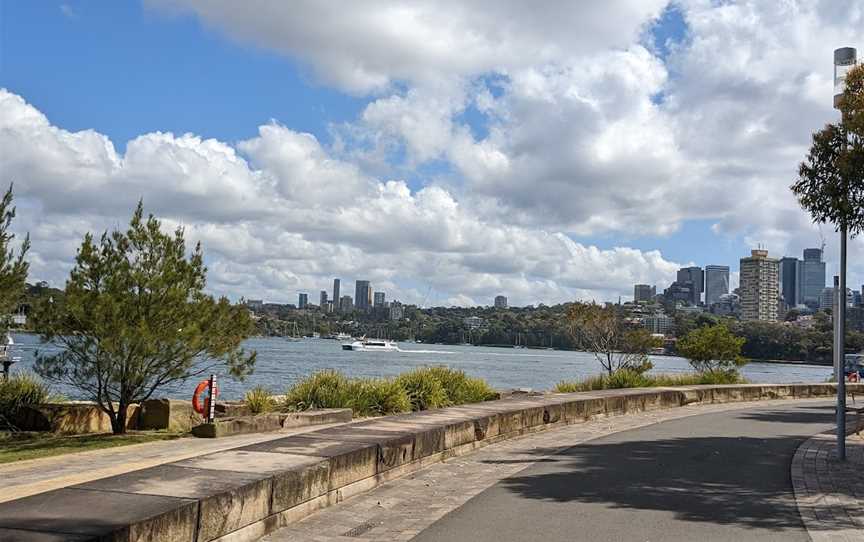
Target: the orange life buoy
(196, 398)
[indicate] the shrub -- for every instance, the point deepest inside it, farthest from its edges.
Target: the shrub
(713, 350)
(424, 390)
(378, 397)
(630, 379)
(324, 389)
(461, 388)
(20, 390)
(259, 400)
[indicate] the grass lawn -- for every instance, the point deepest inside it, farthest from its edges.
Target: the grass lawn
(31, 445)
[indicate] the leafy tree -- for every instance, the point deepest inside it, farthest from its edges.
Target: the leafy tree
(713, 350)
(601, 331)
(830, 183)
(135, 319)
(13, 268)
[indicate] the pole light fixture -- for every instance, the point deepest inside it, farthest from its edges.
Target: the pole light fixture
(845, 59)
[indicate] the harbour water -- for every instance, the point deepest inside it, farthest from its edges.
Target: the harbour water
(281, 363)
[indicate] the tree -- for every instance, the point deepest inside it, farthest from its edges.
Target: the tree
(135, 319)
(713, 350)
(830, 183)
(602, 331)
(13, 268)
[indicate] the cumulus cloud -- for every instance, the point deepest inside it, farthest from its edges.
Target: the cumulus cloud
(277, 214)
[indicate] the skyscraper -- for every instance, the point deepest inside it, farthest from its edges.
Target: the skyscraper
(812, 277)
(695, 276)
(500, 302)
(644, 292)
(323, 298)
(716, 283)
(336, 298)
(378, 299)
(363, 295)
(790, 281)
(759, 288)
(302, 301)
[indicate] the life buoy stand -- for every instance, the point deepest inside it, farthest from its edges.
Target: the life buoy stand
(197, 406)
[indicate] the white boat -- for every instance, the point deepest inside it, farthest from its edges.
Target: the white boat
(371, 345)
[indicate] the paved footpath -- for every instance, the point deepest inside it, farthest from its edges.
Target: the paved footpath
(25, 478)
(713, 472)
(830, 493)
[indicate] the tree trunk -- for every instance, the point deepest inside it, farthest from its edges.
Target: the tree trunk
(118, 421)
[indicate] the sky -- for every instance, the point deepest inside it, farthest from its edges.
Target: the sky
(445, 151)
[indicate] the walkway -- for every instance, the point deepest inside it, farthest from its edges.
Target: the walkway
(33, 476)
(711, 472)
(830, 494)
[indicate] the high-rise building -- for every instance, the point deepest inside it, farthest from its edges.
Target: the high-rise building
(790, 281)
(697, 278)
(336, 298)
(812, 277)
(644, 292)
(323, 300)
(759, 289)
(500, 302)
(827, 299)
(302, 301)
(396, 311)
(363, 295)
(378, 299)
(346, 304)
(716, 283)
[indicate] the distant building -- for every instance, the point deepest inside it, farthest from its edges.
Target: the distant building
(827, 299)
(500, 302)
(644, 292)
(812, 277)
(336, 298)
(323, 300)
(474, 322)
(346, 304)
(678, 294)
(727, 305)
(696, 277)
(716, 283)
(790, 281)
(378, 300)
(760, 288)
(658, 323)
(302, 301)
(255, 304)
(397, 312)
(363, 295)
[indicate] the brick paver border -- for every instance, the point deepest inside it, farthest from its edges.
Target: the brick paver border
(830, 493)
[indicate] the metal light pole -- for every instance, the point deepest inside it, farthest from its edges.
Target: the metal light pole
(844, 59)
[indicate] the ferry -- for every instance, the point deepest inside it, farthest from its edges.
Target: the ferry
(371, 345)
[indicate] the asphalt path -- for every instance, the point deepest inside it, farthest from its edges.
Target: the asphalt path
(712, 477)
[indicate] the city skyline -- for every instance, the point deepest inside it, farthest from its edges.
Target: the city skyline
(444, 174)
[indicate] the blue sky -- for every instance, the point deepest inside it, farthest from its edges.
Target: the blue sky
(125, 69)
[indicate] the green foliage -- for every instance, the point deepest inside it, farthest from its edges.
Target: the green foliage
(13, 269)
(259, 400)
(20, 390)
(629, 379)
(135, 319)
(712, 350)
(424, 390)
(460, 388)
(324, 389)
(830, 184)
(420, 389)
(378, 397)
(602, 331)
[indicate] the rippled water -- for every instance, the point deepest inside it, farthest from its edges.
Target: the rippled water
(280, 363)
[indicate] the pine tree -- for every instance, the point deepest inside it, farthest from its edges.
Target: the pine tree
(13, 268)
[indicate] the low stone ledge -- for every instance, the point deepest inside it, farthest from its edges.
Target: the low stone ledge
(73, 418)
(242, 494)
(171, 415)
(273, 421)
